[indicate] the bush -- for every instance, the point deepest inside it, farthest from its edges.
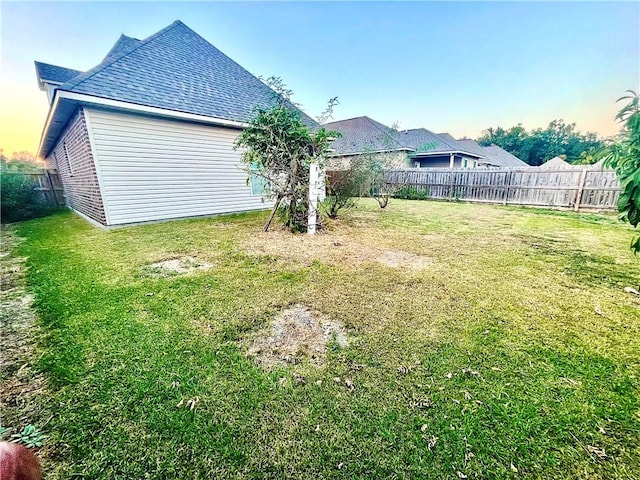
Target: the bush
(19, 199)
(412, 193)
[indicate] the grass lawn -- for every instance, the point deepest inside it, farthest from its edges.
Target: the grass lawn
(509, 350)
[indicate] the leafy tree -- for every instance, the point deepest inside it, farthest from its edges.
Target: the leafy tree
(344, 187)
(539, 145)
(279, 148)
(624, 156)
(20, 162)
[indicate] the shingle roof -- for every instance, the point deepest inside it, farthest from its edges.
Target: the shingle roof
(422, 141)
(122, 45)
(556, 162)
(425, 141)
(501, 158)
(471, 145)
(363, 134)
(446, 136)
(54, 73)
(176, 69)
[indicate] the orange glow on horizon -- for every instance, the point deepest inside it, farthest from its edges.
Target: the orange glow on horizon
(22, 116)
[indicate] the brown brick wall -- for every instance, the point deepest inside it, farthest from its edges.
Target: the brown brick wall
(74, 161)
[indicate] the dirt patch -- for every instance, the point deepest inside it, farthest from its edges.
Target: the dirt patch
(175, 266)
(396, 259)
(295, 335)
(19, 384)
(330, 248)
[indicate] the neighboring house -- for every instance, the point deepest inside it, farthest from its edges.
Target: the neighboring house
(148, 133)
(556, 163)
(494, 156)
(365, 136)
(416, 148)
(437, 151)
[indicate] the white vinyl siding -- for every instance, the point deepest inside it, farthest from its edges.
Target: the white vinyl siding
(157, 169)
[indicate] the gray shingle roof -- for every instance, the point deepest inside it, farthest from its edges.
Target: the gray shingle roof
(54, 73)
(177, 69)
(501, 158)
(447, 136)
(425, 141)
(122, 45)
(471, 146)
(363, 134)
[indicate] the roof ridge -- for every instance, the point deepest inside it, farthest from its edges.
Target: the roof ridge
(347, 119)
(102, 65)
(378, 126)
(453, 144)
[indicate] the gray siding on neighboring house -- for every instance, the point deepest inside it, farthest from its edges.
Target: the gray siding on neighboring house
(158, 169)
(73, 159)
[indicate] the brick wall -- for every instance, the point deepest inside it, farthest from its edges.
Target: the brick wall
(73, 159)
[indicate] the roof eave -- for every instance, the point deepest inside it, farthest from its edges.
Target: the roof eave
(446, 152)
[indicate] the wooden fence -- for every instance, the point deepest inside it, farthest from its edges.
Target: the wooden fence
(46, 184)
(588, 188)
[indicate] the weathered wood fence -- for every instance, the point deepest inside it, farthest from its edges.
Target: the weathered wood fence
(46, 184)
(589, 188)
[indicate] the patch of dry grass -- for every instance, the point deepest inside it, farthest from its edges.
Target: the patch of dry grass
(21, 387)
(295, 335)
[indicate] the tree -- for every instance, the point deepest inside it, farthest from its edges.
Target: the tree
(623, 155)
(344, 187)
(279, 148)
(539, 145)
(20, 162)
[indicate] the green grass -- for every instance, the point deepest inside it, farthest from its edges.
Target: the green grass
(523, 309)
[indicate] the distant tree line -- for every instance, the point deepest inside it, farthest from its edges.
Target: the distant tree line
(20, 162)
(537, 146)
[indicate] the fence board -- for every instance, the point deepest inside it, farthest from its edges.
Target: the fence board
(47, 183)
(578, 187)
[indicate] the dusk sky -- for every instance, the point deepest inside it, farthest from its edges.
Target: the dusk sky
(453, 67)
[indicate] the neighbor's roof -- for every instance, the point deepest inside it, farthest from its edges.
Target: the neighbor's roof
(362, 135)
(446, 136)
(471, 146)
(48, 73)
(556, 162)
(425, 142)
(176, 69)
(501, 158)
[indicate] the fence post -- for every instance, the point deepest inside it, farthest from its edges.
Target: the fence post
(507, 183)
(578, 200)
(52, 188)
(451, 183)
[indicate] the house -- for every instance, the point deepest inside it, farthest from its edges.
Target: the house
(365, 136)
(556, 163)
(494, 156)
(431, 150)
(148, 134)
(416, 148)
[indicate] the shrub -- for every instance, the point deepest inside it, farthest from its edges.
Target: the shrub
(19, 199)
(412, 193)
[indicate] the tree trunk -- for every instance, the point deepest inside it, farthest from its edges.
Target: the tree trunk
(273, 213)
